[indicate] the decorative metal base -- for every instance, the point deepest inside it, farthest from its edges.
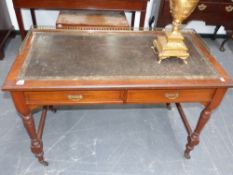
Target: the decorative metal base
(171, 45)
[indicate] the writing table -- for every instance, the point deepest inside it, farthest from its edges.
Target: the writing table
(114, 5)
(64, 67)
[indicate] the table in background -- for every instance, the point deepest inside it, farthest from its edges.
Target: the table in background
(6, 27)
(63, 67)
(114, 5)
(212, 12)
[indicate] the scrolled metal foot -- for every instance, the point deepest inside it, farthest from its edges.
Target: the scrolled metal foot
(43, 162)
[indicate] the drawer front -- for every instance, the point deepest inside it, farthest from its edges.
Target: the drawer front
(73, 97)
(217, 1)
(212, 12)
(210, 1)
(163, 96)
(214, 8)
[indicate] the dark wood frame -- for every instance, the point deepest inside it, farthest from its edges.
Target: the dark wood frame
(117, 5)
(33, 94)
(4, 35)
(6, 27)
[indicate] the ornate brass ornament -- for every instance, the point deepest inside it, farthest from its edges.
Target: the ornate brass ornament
(172, 44)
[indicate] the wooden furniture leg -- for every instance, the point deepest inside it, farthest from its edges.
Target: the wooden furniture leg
(29, 124)
(33, 17)
(215, 31)
(142, 19)
(20, 22)
(152, 19)
(229, 36)
(1, 54)
(193, 138)
(51, 108)
(168, 105)
(4, 35)
(133, 19)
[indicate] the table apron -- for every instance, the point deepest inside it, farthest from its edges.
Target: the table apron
(128, 5)
(118, 96)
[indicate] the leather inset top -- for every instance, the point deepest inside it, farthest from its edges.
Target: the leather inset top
(108, 55)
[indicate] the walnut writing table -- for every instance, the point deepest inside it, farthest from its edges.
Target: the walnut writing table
(58, 67)
(114, 5)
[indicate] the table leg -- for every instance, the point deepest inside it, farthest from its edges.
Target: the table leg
(33, 17)
(229, 36)
(168, 105)
(132, 19)
(29, 124)
(215, 31)
(142, 19)
(20, 22)
(193, 139)
(1, 54)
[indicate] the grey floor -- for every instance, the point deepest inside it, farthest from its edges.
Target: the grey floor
(116, 139)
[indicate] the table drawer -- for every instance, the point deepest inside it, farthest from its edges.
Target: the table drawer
(217, 1)
(213, 8)
(73, 97)
(163, 96)
(212, 12)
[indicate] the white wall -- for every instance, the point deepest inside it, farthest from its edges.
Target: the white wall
(48, 18)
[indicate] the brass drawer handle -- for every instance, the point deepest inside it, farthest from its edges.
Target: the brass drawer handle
(229, 8)
(75, 97)
(202, 7)
(172, 96)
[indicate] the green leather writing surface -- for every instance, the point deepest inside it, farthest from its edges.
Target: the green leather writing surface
(108, 55)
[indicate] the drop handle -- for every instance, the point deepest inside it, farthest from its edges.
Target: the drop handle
(172, 96)
(229, 8)
(202, 7)
(75, 97)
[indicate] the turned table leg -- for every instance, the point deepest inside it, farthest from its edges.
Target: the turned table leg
(36, 143)
(193, 137)
(29, 124)
(20, 22)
